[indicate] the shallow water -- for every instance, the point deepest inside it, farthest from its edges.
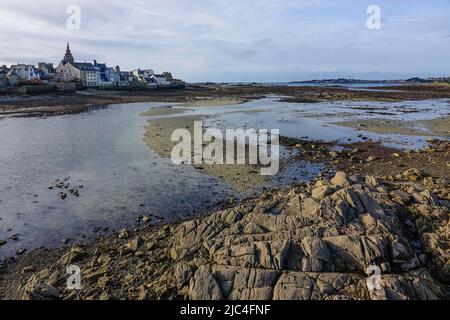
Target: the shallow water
(314, 120)
(103, 151)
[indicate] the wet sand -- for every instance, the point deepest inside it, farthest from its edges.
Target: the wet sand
(180, 108)
(435, 127)
(158, 138)
(213, 102)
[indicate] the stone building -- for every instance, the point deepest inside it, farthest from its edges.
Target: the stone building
(87, 74)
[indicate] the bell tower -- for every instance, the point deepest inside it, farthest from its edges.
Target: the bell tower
(68, 57)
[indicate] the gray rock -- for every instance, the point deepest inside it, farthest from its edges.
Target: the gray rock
(203, 285)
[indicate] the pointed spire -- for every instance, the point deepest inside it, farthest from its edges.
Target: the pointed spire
(68, 57)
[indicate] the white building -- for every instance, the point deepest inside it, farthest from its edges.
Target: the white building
(46, 71)
(161, 80)
(25, 72)
(83, 72)
(113, 75)
(145, 77)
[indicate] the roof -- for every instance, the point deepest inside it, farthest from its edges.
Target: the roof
(20, 66)
(85, 66)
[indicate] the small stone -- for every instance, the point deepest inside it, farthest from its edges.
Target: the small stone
(333, 154)
(21, 252)
(428, 182)
(400, 196)
(134, 244)
(357, 179)
(372, 181)
(42, 291)
(385, 267)
(129, 278)
(102, 282)
(75, 253)
(139, 254)
(104, 259)
(340, 180)
(321, 192)
(124, 251)
(413, 174)
(105, 296)
(96, 229)
(123, 234)
(74, 192)
(29, 269)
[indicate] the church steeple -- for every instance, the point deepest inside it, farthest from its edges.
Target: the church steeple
(68, 57)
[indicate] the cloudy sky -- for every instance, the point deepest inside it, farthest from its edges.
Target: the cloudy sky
(236, 40)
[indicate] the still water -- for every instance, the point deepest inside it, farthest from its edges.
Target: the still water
(102, 154)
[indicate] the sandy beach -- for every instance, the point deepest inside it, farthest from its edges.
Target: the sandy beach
(158, 138)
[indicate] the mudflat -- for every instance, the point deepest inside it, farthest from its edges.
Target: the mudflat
(56, 104)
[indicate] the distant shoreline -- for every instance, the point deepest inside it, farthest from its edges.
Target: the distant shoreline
(45, 105)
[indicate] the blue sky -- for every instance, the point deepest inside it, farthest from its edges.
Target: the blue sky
(236, 40)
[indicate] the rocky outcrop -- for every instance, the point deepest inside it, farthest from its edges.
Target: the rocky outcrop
(318, 242)
(327, 240)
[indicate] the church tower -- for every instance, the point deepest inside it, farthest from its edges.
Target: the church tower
(68, 57)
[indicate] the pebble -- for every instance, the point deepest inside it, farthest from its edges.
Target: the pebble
(21, 251)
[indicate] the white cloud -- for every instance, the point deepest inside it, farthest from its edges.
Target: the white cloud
(227, 39)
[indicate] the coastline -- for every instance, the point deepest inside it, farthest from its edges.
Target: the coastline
(58, 104)
(247, 251)
(259, 237)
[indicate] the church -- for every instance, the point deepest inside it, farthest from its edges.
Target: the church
(88, 74)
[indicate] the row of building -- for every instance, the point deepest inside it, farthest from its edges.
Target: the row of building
(85, 74)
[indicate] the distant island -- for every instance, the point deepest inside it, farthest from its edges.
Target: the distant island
(356, 81)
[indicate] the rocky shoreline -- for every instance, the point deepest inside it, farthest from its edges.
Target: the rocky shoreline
(312, 241)
(384, 209)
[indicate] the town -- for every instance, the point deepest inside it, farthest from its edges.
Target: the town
(70, 75)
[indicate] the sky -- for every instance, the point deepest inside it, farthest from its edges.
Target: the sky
(235, 40)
